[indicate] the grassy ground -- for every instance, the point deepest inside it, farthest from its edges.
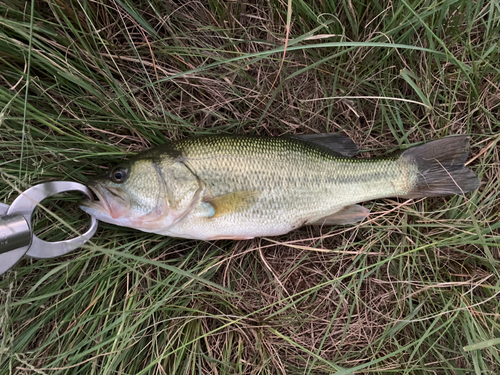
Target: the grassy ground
(415, 290)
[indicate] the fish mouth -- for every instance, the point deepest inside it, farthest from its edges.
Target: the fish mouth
(109, 202)
(100, 203)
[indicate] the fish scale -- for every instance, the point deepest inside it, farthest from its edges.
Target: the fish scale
(220, 187)
(297, 182)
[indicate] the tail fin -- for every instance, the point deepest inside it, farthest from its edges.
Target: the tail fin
(441, 169)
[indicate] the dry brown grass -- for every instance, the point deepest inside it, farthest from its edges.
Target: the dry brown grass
(403, 292)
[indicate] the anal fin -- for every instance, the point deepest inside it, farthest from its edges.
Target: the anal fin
(348, 215)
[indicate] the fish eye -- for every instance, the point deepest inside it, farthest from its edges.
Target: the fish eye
(118, 175)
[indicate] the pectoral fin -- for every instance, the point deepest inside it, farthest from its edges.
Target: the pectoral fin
(348, 215)
(229, 203)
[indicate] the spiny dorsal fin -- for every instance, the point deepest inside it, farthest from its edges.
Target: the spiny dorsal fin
(335, 142)
(231, 202)
(348, 215)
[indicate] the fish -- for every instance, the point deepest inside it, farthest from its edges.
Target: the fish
(242, 186)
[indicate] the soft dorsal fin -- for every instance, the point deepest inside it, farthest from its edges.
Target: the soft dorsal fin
(335, 142)
(348, 215)
(229, 203)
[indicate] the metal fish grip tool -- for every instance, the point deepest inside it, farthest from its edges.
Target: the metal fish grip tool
(16, 233)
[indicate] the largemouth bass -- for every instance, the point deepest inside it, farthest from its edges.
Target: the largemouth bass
(240, 187)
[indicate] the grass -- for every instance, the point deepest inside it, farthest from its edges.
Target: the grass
(414, 290)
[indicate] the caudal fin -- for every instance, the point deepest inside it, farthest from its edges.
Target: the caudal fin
(441, 169)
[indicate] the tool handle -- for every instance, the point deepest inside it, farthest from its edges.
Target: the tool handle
(15, 232)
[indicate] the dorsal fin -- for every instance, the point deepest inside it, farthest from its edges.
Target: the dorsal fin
(335, 142)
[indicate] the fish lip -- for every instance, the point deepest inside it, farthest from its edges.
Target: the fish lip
(111, 202)
(101, 203)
